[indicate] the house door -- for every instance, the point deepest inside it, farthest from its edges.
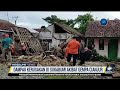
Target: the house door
(113, 48)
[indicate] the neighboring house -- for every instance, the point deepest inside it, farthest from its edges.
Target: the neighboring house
(106, 38)
(61, 33)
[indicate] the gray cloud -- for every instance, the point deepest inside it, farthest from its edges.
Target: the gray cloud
(34, 19)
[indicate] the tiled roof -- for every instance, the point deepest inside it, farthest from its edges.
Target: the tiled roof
(95, 29)
(5, 25)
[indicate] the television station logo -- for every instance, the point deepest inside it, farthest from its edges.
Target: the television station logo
(103, 21)
(110, 68)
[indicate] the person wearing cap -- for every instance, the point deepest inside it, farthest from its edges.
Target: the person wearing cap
(58, 52)
(6, 47)
(73, 47)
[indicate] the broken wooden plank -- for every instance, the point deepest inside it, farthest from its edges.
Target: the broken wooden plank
(21, 57)
(26, 37)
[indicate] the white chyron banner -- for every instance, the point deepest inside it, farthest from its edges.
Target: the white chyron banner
(56, 69)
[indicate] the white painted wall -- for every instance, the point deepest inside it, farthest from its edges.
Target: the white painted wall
(60, 35)
(119, 48)
(45, 35)
(101, 52)
(55, 42)
(57, 35)
(51, 28)
(50, 45)
(69, 35)
(105, 51)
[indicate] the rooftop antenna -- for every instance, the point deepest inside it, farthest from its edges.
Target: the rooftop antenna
(15, 18)
(7, 16)
(8, 19)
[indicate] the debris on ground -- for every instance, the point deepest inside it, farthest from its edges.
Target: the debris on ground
(116, 75)
(50, 60)
(21, 57)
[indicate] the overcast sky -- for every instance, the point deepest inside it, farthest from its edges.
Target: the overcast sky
(33, 19)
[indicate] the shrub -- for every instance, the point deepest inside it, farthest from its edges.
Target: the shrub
(104, 58)
(118, 60)
(101, 58)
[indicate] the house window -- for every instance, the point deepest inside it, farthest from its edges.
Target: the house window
(101, 44)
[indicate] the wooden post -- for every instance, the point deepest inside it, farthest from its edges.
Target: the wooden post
(86, 42)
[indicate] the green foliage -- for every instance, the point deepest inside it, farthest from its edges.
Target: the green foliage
(104, 58)
(54, 18)
(82, 21)
(101, 58)
(118, 59)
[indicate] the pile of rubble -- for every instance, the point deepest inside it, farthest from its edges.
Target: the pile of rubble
(42, 60)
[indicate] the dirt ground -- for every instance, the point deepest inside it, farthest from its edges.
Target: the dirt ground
(4, 73)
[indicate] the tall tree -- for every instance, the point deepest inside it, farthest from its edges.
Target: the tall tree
(54, 18)
(82, 21)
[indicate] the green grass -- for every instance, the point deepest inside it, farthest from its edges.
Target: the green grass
(71, 77)
(63, 77)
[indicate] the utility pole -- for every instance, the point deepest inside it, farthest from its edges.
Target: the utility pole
(7, 16)
(15, 18)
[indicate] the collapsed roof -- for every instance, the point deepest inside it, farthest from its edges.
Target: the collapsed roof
(69, 29)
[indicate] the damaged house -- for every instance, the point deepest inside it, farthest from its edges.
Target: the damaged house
(106, 38)
(24, 34)
(57, 33)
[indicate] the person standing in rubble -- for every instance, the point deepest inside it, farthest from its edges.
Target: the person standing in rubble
(58, 52)
(23, 49)
(81, 53)
(6, 47)
(17, 46)
(73, 48)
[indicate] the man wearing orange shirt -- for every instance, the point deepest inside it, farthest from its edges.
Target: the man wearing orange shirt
(73, 47)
